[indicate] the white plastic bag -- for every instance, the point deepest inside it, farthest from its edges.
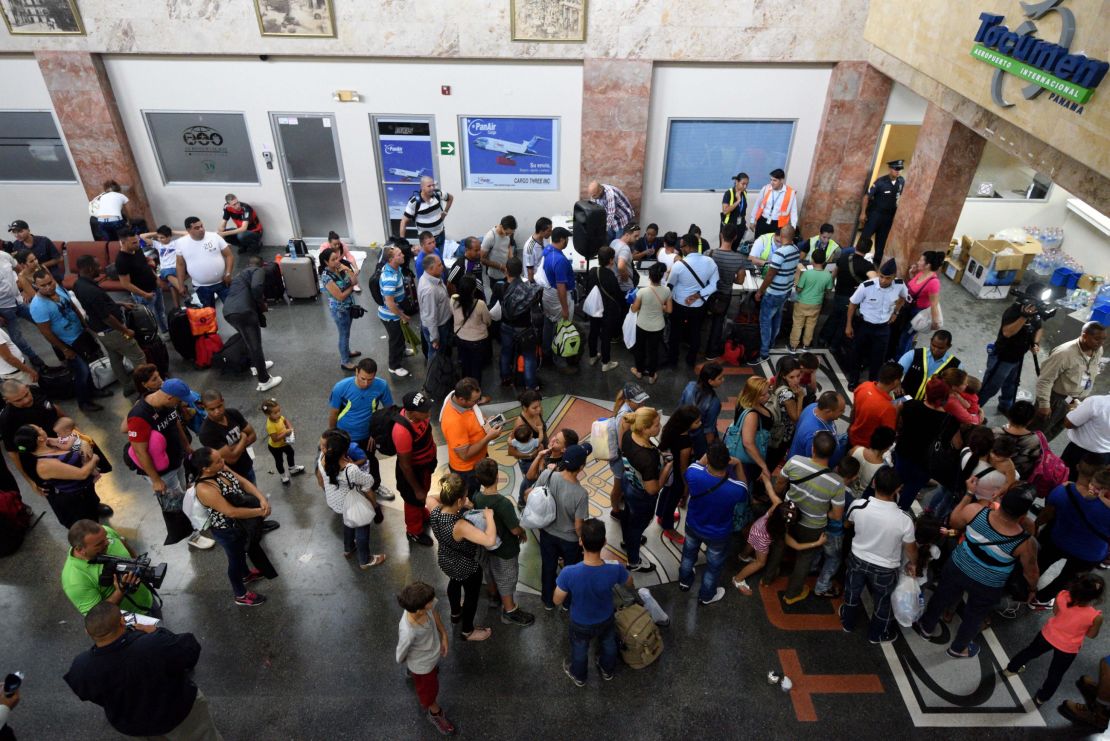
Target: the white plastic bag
(539, 510)
(478, 519)
(599, 439)
(658, 614)
(908, 602)
(194, 509)
(495, 312)
(923, 320)
(594, 306)
(629, 330)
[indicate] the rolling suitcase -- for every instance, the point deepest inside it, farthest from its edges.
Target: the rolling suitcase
(299, 274)
(56, 381)
(141, 321)
(181, 334)
(157, 355)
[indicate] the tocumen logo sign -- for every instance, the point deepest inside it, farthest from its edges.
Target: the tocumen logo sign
(1045, 65)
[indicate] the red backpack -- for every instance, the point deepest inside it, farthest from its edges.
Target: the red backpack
(207, 347)
(1050, 472)
(15, 521)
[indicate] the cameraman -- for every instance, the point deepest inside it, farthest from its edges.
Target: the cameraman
(1020, 332)
(81, 578)
(142, 677)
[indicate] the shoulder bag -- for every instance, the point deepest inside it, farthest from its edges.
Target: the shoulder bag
(357, 510)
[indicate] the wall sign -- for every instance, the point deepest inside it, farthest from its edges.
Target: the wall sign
(405, 156)
(1043, 64)
(197, 147)
(510, 153)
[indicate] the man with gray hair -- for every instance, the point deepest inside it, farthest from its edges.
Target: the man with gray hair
(247, 230)
(427, 210)
(436, 322)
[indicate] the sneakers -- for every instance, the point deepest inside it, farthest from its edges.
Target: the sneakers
(566, 670)
(927, 636)
(266, 386)
(684, 587)
(399, 372)
(888, 638)
(285, 479)
(409, 352)
(604, 674)
(801, 596)
(840, 614)
(518, 617)
(421, 539)
(592, 360)
(792, 350)
(674, 536)
(269, 365)
(644, 567)
(296, 470)
(972, 651)
(439, 720)
(1037, 606)
(757, 362)
(252, 575)
(1007, 673)
(720, 595)
(606, 367)
(250, 599)
(384, 493)
(201, 542)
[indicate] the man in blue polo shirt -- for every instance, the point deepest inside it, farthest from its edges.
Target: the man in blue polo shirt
(353, 401)
(391, 314)
(778, 281)
(819, 416)
(558, 284)
(716, 485)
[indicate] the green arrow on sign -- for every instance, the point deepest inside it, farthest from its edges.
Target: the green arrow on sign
(447, 147)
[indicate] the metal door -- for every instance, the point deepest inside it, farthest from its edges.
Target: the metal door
(312, 170)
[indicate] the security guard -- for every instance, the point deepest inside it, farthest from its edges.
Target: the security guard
(879, 206)
(734, 204)
(878, 301)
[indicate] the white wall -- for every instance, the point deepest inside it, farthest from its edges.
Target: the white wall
(750, 91)
(984, 216)
(1087, 237)
(904, 106)
(294, 85)
(56, 210)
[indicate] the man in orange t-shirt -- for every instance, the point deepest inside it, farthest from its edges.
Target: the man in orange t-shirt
(872, 406)
(466, 437)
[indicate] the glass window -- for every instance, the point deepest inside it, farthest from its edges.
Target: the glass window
(704, 155)
(1003, 176)
(31, 148)
(201, 147)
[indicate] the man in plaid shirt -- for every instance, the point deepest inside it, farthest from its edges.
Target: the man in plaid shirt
(618, 209)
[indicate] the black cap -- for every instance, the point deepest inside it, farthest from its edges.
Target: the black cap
(896, 164)
(16, 225)
(418, 401)
(889, 268)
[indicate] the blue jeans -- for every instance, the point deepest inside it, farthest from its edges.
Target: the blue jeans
(953, 584)
(111, 229)
(770, 320)
(509, 353)
(1003, 376)
(580, 638)
(157, 304)
(238, 545)
(881, 583)
(342, 319)
(10, 314)
(716, 551)
(832, 552)
(635, 518)
(357, 538)
(551, 548)
(82, 379)
(209, 294)
(440, 238)
(443, 335)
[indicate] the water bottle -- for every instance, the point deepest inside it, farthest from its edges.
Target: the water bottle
(289, 438)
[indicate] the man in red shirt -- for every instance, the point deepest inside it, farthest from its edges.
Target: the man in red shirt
(872, 405)
(416, 461)
(247, 232)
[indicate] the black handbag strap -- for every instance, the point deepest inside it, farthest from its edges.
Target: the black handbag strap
(812, 476)
(694, 273)
(1075, 503)
(597, 276)
(713, 488)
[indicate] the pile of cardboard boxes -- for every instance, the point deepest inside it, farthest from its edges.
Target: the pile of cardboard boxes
(987, 268)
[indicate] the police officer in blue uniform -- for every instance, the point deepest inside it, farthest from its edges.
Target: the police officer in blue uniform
(879, 205)
(877, 302)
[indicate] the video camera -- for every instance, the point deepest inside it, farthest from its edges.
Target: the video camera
(140, 567)
(1037, 295)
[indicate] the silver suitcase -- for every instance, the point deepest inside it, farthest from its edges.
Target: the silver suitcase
(299, 274)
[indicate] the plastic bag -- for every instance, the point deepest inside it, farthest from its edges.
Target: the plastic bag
(599, 439)
(594, 305)
(629, 330)
(908, 602)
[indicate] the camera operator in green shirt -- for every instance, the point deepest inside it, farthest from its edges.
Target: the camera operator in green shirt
(81, 578)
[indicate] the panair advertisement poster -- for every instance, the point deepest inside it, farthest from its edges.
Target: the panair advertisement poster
(510, 153)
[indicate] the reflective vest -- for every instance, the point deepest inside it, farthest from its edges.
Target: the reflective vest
(784, 206)
(764, 246)
(917, 377)
(727, 218)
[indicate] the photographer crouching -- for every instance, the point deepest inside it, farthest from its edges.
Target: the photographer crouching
(1020, 333)
(86, 584)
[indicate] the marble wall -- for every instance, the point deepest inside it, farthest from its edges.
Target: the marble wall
(616, 97)
(691, 30)
(86, 108)
(850, 126)
(944, 163)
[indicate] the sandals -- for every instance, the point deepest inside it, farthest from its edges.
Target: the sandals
(377, 560)
(742, 585)
(832, 593)
(636, 373)
(478, 634)
(348, 366)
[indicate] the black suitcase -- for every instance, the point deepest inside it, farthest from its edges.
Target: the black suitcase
(157, 354)
(233, 358)
(56, 381)
(181, 334)
(141, 321)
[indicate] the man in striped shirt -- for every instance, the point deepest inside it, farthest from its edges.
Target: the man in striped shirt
(428, 210)
(618, 209)
(775, 290)
(818, 494)
(391, 314)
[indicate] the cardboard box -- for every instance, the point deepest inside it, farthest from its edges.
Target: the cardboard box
(989, 253)
(954, 269)
(1090, 282)
(983, 283)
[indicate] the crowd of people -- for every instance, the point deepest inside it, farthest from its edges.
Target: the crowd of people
(784, 484)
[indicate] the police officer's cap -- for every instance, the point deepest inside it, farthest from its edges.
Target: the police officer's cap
(889, 268)
(896, 164)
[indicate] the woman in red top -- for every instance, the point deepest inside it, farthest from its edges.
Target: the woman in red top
(1073, 619)
(924, 289)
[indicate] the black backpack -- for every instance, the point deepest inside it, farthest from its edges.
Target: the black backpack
(519, 298)
(274, 287)
(141, 321)
(233, 358)
(442, 375)
(381, 429)
(375, 286)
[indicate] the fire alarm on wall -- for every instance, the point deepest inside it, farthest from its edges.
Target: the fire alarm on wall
(445, 89)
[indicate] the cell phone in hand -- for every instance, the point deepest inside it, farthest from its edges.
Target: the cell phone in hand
(12, 683)
(497, 420)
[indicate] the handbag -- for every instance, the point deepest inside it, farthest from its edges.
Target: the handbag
(357, 510)
(356, 311)
(923, 320)
(1050, 472)
(718, 304)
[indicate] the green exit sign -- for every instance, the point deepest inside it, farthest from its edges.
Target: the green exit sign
(447, 147)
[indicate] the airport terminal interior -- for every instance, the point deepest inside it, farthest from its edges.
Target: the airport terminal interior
(926, 136)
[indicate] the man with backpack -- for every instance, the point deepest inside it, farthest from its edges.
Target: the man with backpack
(560, 537)
(591, 583)
(353, 401)
(244, 307)
(389, 291)
(518, 338)
(556, 276)
(416, 462)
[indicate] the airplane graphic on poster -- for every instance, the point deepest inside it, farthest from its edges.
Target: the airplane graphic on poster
(406, 174)
(509, 149)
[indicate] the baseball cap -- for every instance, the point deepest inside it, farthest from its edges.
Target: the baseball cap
(575, 456)
(889, 268)
(18, 224)
(635, 393)
(176, 388)
(418, 401)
